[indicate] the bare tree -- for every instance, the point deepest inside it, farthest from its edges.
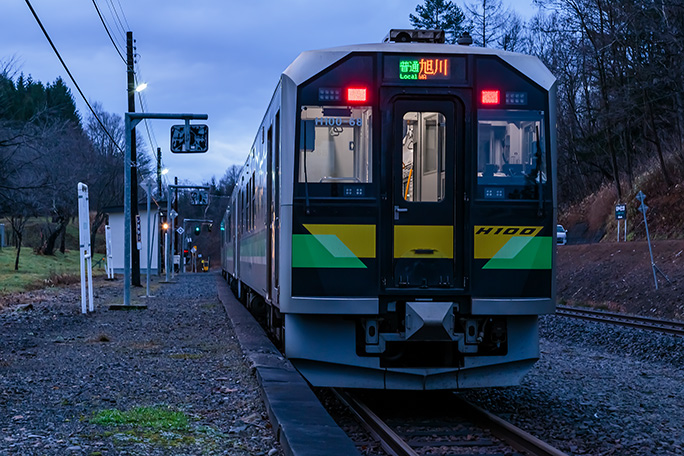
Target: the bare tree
(488, 22)
(105, 181)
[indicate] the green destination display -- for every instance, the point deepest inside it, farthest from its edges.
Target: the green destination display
(424, 69)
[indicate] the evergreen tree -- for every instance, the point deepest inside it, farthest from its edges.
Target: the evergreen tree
(442, 15)
(60, 101)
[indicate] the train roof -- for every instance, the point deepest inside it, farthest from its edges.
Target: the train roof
(310, 63)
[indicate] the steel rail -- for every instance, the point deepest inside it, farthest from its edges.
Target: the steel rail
(632, 321)
(389, 440)
(514, 436)
(394, 445)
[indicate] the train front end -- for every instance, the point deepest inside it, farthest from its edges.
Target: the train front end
(422, 215)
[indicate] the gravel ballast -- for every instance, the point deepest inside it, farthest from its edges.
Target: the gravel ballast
(599, 390)
(60, 369)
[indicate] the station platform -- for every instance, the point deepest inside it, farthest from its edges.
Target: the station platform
(300, 422)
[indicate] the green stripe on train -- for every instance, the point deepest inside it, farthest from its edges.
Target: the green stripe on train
(523, 253)
(322, 251)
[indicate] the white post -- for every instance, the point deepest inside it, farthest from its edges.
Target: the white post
(86, 254)
(110, 257)
(618, 231)
(148, 188)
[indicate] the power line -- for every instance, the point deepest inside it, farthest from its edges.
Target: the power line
(70, 75)
(150, 133)
(128, 27)
(107, 30)
(143, 108)
(112, 9)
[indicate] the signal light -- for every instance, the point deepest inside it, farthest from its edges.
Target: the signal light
(165, 226)
(197, 229)
(357, 94)
(490, 97)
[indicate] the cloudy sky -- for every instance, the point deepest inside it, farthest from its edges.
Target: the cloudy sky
(217, 57)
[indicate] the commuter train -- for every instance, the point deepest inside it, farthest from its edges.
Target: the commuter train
(394, 224)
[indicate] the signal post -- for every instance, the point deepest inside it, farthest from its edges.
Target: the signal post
(185, 139)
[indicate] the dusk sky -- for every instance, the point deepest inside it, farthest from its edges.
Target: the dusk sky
(221, 58)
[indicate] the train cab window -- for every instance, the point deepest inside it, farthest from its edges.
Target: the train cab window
(511, 157)
(423, 155)
(335, 144)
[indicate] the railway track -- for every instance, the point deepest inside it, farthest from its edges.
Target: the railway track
(465, 429)
(632, 321)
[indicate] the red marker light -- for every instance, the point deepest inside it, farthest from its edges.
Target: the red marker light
(357, 94)
(490, 97)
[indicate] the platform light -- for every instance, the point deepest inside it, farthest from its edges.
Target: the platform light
(357, 94)
(140, 87)
(490, 97)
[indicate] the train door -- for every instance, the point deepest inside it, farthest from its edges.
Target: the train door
(427, 188)
(272, 203)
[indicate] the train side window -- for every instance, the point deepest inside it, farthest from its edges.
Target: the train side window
(335, 144)
(423, 156)
(511, 157)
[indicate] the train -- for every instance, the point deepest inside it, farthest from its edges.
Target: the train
(394, 223)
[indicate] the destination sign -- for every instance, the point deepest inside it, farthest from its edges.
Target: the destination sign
(421, 69)
(424, 69)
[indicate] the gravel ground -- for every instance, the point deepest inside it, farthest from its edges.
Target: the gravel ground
(60, 369)
(599, 390)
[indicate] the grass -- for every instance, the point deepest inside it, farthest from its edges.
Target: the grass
(37, 271)
(155, 418)
(158, 425)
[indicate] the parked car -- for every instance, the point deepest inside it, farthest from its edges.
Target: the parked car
(561, 235)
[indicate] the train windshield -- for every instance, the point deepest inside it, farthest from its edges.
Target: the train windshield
(335, 144)
(511, 158)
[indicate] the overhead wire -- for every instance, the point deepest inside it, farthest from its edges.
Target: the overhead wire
(108, 33)
(112, 10)
(143, 108)
(128, 27)
(73, 80)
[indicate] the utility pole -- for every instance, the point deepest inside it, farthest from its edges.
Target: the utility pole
(159, 228)
(159, 174)
(175, 207)
(135, 258)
